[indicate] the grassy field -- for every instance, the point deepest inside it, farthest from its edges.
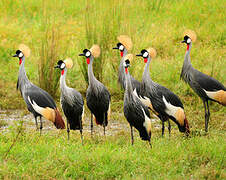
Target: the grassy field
(63, 28)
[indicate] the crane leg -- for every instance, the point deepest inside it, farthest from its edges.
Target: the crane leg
(36, 123)
(81, 130)
(91, 124)
(163, 127)
(207, 114)
(169, 127)
(132, 140)
(68, 130)
(104, 123)
(41, 126)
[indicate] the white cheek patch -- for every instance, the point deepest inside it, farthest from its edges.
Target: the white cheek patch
(145, 55)
(62, 66)
(121, 47)
(21, 55)
(87, 54)
(189, 40)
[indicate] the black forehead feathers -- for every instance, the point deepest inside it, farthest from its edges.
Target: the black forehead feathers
(119, 44)
(18, 51)
(143, 51)
(127, 62)
(60, 62)
(186, 37)
(85, 51)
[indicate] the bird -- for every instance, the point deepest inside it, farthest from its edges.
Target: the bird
(71, 100)
(136, 113)
(206, 87)
(38, 101)
(164, 103)
(97, 96)
(124, 45)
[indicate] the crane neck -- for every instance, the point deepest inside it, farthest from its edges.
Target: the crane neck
(91, 76)
(121, 70)
(63, 84)
(129, 88)
(187, 59)
(22, 77)
(146, 73)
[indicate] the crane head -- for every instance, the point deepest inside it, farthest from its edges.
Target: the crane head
(126, 64)
(87, 54)
(145, 54)
(120, 47)
(20, 55)
(186, 40)
(61, 65)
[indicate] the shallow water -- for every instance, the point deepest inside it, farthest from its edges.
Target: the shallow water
(114, 126)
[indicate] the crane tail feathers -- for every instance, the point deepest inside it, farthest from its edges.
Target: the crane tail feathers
(220, 97)
(59, 122)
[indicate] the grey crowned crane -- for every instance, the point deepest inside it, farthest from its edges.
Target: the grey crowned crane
(164, 103)
(38, 101)
(136, 113)
(206, 87)
(71, 100)
(97, 96)
(124, 45)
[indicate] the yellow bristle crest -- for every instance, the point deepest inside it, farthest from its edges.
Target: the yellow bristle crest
(25, 49)
(129, 57)
(95, 50)
(126, 41)
(69, 63)
(152, 52)
(191, 34)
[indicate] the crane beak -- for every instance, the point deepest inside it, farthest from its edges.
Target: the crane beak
(57, 66)
(115, 48)
(15, 55)
(183, 41)
(81, 54)
(139, 55)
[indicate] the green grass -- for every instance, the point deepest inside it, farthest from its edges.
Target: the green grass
(77, 25)
(52, 156)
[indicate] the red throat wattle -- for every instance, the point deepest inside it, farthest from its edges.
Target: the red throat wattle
(121, 53)
(145, 60)
(62, 72)
(87, 60)
(126, 69)
(187, 47)
(20, 61)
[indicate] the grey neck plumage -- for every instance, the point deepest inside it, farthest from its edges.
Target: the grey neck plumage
(187, 66)
(128, 86)
(121, 71)
(146, 74)
(63, 85)
(91, 77)
(22, 77)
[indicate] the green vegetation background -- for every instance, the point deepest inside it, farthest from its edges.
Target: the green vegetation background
(56, 29)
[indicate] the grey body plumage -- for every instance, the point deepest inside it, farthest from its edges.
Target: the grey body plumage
(36, 97)
(161, 100)
(71, 101)
(206, 87)
(97, 96)
(135, 112)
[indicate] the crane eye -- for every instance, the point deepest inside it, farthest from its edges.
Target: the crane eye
(21, 55)
(145, 55)
(121, 47)
(188, 40)
(62, 66)
(88, 54)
